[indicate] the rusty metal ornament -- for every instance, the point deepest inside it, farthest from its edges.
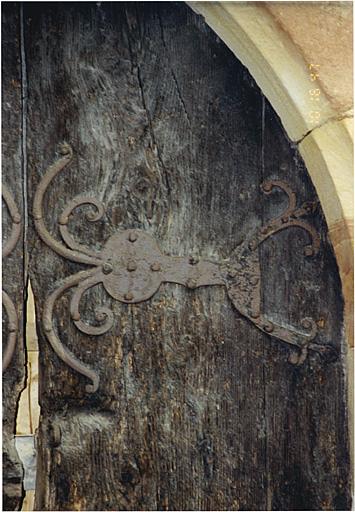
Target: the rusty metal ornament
(6, 300)
(131, 268)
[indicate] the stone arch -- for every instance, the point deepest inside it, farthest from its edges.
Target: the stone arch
(300, 54)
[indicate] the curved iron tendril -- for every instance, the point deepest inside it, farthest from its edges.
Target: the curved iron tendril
(289, 218)
(16, 222)
(7, 302)
(103, 314)
(91, 217)
(63, 352)
(12, 328)
(51, 173)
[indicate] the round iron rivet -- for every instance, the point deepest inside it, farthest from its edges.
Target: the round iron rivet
(64, 149)
(91, 216)
(12, 327)
(267, 186)
(131, 266)
(284, 219)
(252, 245)
(56, 435)
(132, 237)
(191, 283)
(268, 327)
(264, 230)
(293, 358)
(308, 251)
(155, 267)
(107, 268)
(76, 316)
(193, 260)
(63, 222)
(254, 280)
(254, 314)
(17, 218)
(306, 324)
(129, 296)
(232, 274)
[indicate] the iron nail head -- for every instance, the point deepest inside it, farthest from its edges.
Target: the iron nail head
(267, 186)
(131, 266)
(107, 268)
(268, 327)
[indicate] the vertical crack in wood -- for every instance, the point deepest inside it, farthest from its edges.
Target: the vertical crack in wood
(155, 148)
(173, 74)
(24, 98)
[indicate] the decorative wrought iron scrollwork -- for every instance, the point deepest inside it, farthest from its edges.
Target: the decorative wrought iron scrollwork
(6, 300)
(131, 268)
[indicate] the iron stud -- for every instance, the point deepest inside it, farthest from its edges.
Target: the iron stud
(306, 323)
(131, 266)
(107, 268)
(12, 327)
(193, 260)
(267, 186)
(268, 327)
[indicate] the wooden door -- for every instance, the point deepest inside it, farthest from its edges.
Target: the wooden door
(13, 262)
(189, 394)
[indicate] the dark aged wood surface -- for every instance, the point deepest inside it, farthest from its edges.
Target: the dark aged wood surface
(196, 409)
(13, 265)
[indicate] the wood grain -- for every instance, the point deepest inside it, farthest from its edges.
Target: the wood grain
(197, 409)
(13, 269)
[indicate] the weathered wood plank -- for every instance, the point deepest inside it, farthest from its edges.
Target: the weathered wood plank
(196, 409)
(13, 277)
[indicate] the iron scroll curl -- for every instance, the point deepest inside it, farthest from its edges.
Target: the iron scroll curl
(10, 244)
(131, 268)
